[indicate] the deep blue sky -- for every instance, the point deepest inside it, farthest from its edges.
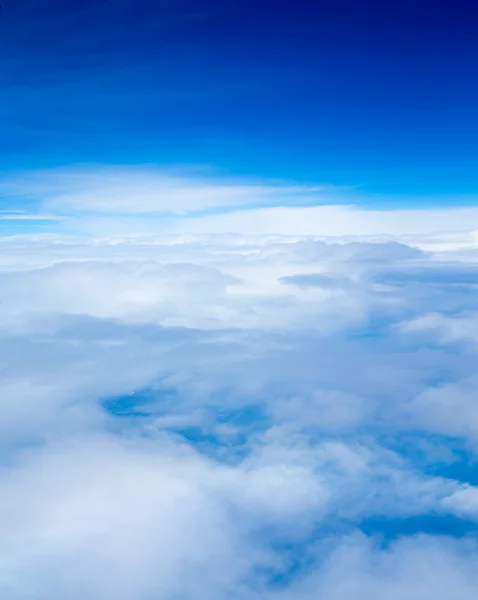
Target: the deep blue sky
(378, 94)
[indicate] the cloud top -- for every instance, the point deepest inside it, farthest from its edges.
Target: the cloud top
(220, 416)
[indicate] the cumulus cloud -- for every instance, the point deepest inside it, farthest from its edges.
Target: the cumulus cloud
(219, 416)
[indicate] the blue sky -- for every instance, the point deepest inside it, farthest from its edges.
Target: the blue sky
(371, 94)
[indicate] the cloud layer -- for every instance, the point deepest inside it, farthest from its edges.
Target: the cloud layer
(217, 417)
(123, 200)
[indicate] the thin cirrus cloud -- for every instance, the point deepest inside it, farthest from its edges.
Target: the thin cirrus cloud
(104, 201)
(129, 190)
(17, 216)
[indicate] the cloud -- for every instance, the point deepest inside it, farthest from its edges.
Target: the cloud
(328, 220)
(133, 191)
(216, 416)
(95, 200)
(13, 216)
(151, 518)
(419, 568)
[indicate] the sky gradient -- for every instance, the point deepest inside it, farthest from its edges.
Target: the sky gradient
(371, 94)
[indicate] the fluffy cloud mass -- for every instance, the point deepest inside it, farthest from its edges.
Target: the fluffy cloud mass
(217, 417)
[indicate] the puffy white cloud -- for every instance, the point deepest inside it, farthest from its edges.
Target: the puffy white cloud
(237, 417)
(464, 501)
(419, 568)
(99, 518)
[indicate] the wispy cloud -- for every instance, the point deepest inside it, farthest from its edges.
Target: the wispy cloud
(16, 216)
(98, 200)
(129, 190)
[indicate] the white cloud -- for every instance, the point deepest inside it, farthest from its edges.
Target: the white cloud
(450, 408)
(419, 568)
(112, 201)
(210, 417)
(12, 216)
(112, 520)
(132, 191)
(464, 501)
(330, 220)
